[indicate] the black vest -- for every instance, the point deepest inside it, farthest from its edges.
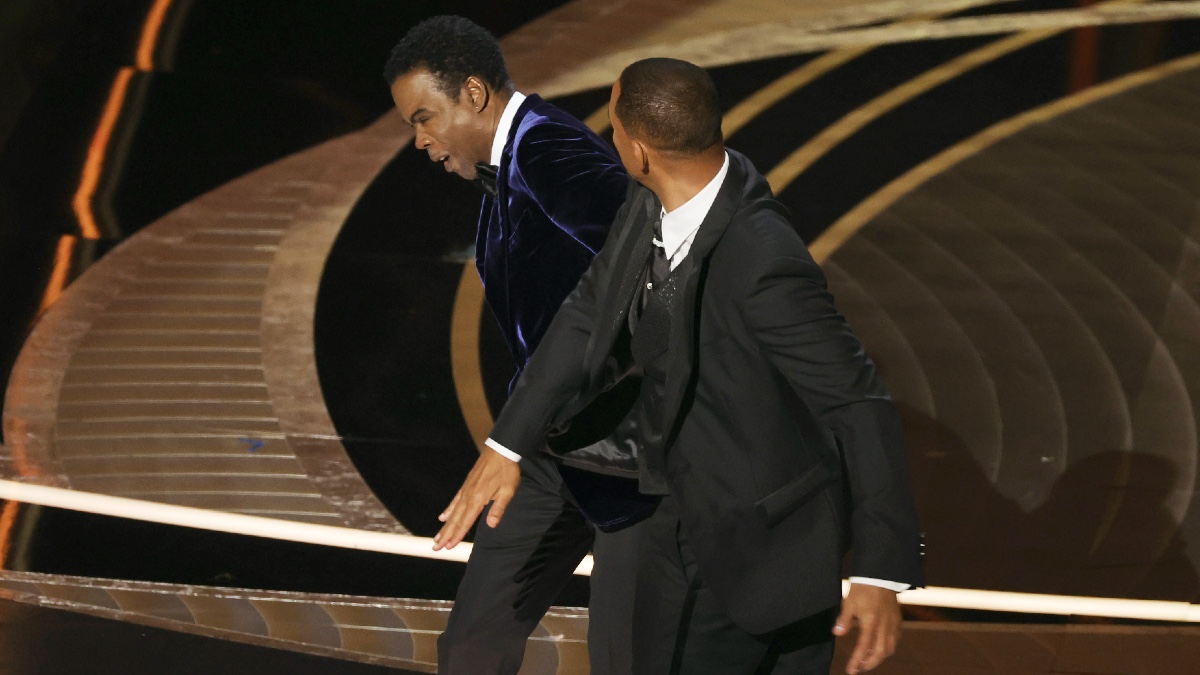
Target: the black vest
(650, 328)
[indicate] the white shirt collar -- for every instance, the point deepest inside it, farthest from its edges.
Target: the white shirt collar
(502, 129)
(679, 226)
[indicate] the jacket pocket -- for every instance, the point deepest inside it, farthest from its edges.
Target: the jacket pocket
(782, 502)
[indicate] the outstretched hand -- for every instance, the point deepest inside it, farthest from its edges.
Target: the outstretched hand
(876, 613)
(494, 478)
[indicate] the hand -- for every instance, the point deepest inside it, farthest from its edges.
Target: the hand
(876, 611)
(494, 478)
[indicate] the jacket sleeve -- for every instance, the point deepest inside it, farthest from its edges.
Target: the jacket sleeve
(574, 179)
(789, 309)
(557, 373)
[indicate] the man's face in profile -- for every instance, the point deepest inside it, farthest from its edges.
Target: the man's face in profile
(452, 132)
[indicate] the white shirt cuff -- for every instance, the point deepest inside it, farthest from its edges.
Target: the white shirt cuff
(504, 452)
(890, 585)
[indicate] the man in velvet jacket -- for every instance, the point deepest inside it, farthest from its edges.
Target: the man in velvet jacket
(552, 188)
(762, 420)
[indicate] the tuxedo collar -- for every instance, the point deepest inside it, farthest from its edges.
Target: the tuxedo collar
(720, 214)
(529, 103)
(681, 360)
(503, 130)
(679, 225)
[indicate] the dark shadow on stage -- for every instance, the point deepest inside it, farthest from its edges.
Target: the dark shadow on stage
(1104, 529)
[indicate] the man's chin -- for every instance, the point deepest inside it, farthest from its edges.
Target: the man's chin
(466, 172)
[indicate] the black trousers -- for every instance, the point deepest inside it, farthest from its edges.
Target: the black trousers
(517, 570)
(680, 628)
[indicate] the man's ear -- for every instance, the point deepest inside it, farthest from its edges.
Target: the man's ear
(641, 155)
(477, 93)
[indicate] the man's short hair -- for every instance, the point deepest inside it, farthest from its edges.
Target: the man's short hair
(452, 49)
(670, 104)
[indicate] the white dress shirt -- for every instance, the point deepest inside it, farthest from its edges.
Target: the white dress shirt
(679, 229)
(502, 129)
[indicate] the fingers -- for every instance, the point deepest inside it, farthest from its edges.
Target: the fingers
(493, 478)
(460, 514)
(886, 639)
(458, 521)
(446, 511)
(499, 505)
(879, 645)
(864, 648)
(877, 615)
(844, 622)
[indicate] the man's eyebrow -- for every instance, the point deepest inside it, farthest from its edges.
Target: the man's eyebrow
(412, 119)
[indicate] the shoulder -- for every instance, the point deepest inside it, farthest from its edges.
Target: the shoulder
(761, 247)
(764, 231)
(756, 236)
(761, 226)
(548, 128)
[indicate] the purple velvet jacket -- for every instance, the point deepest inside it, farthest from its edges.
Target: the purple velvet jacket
(558, 188)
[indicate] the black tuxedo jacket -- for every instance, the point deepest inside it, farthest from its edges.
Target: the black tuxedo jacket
(782, 447)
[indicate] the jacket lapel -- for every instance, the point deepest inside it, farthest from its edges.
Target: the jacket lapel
(633, 250)
(681, 359)
(494, 230)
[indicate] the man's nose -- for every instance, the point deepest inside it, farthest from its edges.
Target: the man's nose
(423, 141)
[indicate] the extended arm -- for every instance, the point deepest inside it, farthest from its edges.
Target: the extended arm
(555, 375)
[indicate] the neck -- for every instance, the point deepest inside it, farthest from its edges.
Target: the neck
(497, 104)
(681, 179)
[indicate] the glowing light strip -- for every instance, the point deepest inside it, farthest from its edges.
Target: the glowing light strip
(422, 547)
(8, 519)
(150, 31)
(58, 277)
(1058, 605)
(94, 165)
(237, 523)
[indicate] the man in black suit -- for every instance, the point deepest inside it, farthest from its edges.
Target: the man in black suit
(552, 188)
(762, 421)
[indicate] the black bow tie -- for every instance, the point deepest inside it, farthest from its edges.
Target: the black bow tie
(485, 177)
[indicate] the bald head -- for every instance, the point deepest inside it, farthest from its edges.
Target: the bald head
(670, 105)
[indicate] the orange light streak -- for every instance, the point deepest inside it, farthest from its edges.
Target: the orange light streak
(8, 518)
(150, 31)
(58, 277)
(94, 165)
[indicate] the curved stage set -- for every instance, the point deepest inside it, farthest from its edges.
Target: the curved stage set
(249, 359)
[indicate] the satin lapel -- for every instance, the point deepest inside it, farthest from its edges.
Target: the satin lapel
(633, 249)
(495, 228)
(681, 359)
